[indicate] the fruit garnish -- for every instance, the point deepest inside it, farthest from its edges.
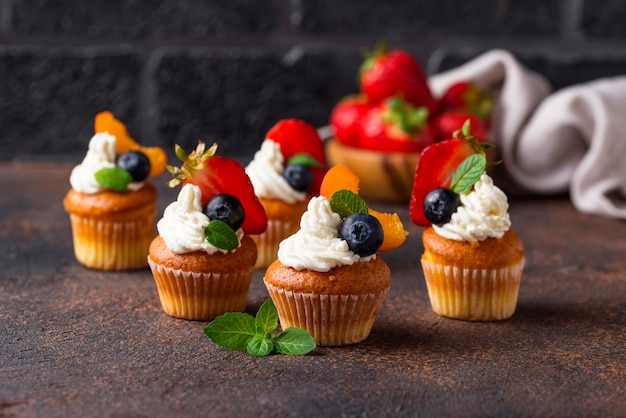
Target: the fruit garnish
(446, 123)
(363, 233)
(136, 163)
(216, 175)
(437, 166)
(221, 235)
(346, 117)
(386, 74)
(299, 177)
(227, 208)
(114, 178)
(106, 122)
(340, 177)
(295, 137)
(440, 204)
(242, 331)
(468, 96)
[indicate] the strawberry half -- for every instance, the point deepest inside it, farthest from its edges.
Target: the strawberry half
(346, 118)
(436, 167)
(396, 126)
(386, 74)
(214, 175)
(296, 136)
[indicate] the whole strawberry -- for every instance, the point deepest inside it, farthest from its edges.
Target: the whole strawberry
(218, 175)
(469, 97)
(396, 126)
(386, 74)
(346, 119)
(447, 123)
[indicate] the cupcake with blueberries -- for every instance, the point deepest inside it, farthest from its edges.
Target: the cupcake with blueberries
(328, 278)
(472, 260)
(111, 204)
(203, 257)
(286, 172)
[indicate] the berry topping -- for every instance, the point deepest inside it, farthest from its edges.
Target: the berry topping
(299, 177)
(297, 137)
(136, 163)
(440, 204)
(215, 175)
(227, 208)
(363, 233)
(346, 117)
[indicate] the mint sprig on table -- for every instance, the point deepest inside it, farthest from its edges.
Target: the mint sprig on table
(221, 235)
(468, 173)
(346, 203)
(114, 178)
(242, 331)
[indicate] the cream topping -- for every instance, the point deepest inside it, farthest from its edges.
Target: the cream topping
(317, 246)
(183, 222)
(265, 172)
(100, 154)
(482, 214)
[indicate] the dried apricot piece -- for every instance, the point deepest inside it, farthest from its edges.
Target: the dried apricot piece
(339, 177)
(395, 234)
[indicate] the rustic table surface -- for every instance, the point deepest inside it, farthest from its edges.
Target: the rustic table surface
(77, 342)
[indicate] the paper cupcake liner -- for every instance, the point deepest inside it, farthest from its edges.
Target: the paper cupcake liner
(200, 296)
(112, 245)
(473, 294)
(332, 320)
(267, 242)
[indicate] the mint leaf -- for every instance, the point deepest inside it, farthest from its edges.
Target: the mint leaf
(260, 345)
(233, 330)
(114, 178)
(267, 317)
(294, 341)
(468, 173)
(304, 159)
(221, 235)
(346, 203)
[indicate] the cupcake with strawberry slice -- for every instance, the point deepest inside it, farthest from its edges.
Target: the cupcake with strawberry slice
(472, 260)
(328, 278)
(286, 172)
(203, 258)
(111, 204)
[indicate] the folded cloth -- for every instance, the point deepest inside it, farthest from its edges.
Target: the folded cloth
(570, 140)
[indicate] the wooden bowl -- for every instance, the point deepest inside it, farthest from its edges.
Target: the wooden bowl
(385, 176)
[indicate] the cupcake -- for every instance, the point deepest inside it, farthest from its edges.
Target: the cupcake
(472, 260)
(203, 257)
(112, 207)
(286, 172)
(327, 278)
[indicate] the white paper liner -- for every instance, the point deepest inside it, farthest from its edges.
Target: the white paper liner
(200, 296)
(332, 320)
(112, 245)
(473, 294)
(267, 242)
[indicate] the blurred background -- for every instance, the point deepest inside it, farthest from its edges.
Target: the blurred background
(175, 71)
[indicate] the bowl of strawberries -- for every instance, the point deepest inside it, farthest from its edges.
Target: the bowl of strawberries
(380, 131)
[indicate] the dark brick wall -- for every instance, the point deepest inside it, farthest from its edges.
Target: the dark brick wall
(226, 71)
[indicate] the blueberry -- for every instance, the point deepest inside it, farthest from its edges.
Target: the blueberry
(227, 208)
(136, 163)
(440, 204)
(363, 233)
(299, 177)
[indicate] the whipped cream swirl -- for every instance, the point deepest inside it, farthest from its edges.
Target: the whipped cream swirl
(100, 154)
(482, 214)
(265, 172)
(183, 222)
(317, 246)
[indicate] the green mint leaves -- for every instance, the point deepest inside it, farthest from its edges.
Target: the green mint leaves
(346, 203)
(241, 331)
(304, 159)
(468, 173)
(220, 234)
(114, 178)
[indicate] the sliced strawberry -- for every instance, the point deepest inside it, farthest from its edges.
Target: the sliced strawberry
(214, 175)
(296, 136)
(446, 123)
(385, 74)
(435, 168)
(396, 126)
(346, 118)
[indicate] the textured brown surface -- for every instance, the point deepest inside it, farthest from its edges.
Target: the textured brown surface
(77, 342)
